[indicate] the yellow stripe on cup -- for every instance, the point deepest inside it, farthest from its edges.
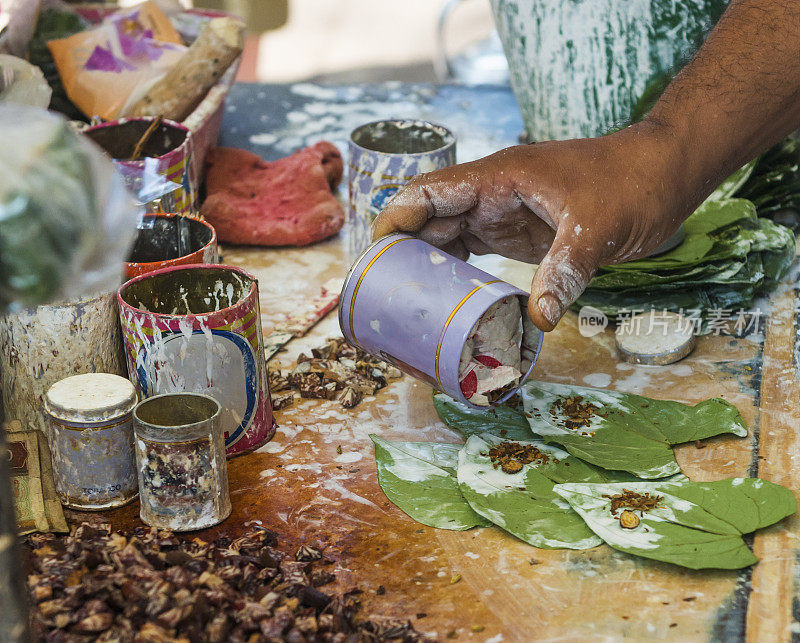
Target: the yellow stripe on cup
(361, 278)
(449, 319)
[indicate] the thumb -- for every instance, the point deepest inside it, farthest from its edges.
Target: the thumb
(561, 277)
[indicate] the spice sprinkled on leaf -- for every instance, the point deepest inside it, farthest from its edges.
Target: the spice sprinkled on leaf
(511, 456)
(578, 413)
(633, 500)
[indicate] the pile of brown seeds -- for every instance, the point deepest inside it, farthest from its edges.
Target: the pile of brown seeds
(510, 456)
(99, 585)
(578, 412)
(335, 371)
(633, 500)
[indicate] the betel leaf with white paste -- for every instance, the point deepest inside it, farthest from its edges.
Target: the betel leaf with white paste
(694, 524)
(501, 420)
(623, 431)
(522, 503)
(420, 478)
(674, 422)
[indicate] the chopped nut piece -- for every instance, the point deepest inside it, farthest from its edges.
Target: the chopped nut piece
(628, 520)
(455, 578)
(350, 398)
(307, 554)
(511, 466)
(94, 623)
(282, 400)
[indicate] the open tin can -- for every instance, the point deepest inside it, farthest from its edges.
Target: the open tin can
(180, 457)
(171, 240)
(382, 157)
(170, 147)
(413, 305)
(197, 328)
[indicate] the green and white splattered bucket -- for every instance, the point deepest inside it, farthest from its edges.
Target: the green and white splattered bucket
(579, 67)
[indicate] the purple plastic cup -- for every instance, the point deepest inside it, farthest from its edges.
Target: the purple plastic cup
(413, 305)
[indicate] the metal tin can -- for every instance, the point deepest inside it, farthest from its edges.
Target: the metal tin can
(180, 457)
(91, 440)
(415, 306)
(382, 157)
(198, 329)
(171, 145)
(158, 245)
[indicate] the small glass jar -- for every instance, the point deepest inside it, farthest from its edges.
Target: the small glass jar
(91, 439)
(180, 457)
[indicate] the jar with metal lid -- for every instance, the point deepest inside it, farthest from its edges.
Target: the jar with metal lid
(91, 439)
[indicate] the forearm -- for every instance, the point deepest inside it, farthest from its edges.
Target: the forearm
(738, 96)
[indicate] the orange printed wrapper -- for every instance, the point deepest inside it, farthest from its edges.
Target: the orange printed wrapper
(107, 69)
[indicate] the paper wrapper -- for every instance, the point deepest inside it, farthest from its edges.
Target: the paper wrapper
(490, 360)
(35, 500)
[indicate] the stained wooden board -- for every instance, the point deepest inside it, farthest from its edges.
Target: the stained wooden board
(303, 488)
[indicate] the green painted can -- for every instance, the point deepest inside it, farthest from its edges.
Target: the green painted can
(579, 67)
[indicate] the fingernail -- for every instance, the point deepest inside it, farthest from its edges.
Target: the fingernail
(550, 308)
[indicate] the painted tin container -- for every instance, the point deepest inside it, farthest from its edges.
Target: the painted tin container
(415, 306)
(171, 145)
(612, 51)
(40, 346)
(91, 440)
(198, 329)
(171, 240)
(382, 157)
(181, 464)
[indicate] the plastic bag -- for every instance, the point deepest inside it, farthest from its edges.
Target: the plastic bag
(21, 82)
(66, 218)
(153, 192)
(107, 69)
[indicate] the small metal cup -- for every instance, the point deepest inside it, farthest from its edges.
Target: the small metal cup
(180, 458)
(383, 157)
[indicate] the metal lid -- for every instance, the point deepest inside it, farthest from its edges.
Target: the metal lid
(655, 338)
(93, 397)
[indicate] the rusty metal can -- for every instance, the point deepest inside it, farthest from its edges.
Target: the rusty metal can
(198, 328)
(180, 457)
(415, 306)
(91, 440)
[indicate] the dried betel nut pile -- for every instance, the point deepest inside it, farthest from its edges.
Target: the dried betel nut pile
(99, 585)
(335, 371)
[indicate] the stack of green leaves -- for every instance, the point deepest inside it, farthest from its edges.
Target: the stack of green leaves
(774, 184)
(587, 449)
(728, 256)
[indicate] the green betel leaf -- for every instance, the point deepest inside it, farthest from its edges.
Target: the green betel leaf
(420, 478)
(673, 422)
(608, 443)
(730, 186)
(522, 503)
(623, 431)
(503, 421)
(693, 524)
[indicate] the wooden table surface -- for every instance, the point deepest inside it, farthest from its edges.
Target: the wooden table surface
(303, 488)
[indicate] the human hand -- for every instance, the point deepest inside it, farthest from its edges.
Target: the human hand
(571, 206)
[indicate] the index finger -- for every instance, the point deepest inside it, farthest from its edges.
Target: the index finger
(443, 193)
